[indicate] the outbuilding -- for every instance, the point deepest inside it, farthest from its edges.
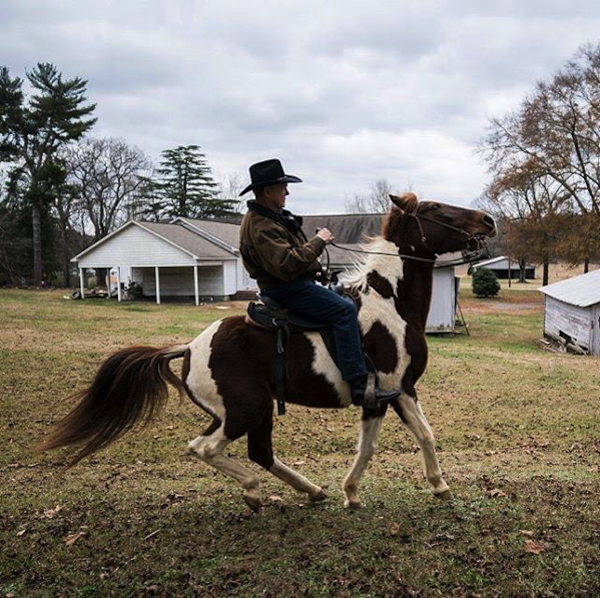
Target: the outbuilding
(572, 313)
(505, 268)
(185, 258)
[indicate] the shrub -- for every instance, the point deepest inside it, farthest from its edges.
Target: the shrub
(485, 283)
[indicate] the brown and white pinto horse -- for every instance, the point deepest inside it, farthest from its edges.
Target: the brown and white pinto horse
(229, 372)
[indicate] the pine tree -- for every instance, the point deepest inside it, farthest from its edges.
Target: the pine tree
(33, 134)
(186, 187)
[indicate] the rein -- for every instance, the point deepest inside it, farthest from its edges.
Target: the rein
(468, 256)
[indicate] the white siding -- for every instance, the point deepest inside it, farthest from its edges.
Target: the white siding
(229, 278)
(595, 350)
(179, 282)
(244, 282)
(570, 320)
(134, 246)
(442, 312)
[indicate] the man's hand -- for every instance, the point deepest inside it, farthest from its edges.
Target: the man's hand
(325, 234)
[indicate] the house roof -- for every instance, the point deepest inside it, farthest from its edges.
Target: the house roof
(199, 246)
(347, 228)
(582, 290)
(225, 234)
(497, 260)
(187, 240)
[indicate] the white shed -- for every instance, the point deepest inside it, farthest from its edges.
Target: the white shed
(181, 259)
(572, 312)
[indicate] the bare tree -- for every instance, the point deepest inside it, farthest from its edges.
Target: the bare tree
(556, 133)
(110, 177)
(377, 200)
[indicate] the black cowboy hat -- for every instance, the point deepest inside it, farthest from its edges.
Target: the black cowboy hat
(268, 172)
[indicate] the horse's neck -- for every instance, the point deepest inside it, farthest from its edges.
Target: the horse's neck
(411, 281)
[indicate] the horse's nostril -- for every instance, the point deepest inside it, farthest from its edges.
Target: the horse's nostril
(489, 221)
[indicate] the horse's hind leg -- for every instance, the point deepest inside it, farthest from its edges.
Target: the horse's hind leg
(260, 450)
(209, 447)
(410, 411)
(370, 428)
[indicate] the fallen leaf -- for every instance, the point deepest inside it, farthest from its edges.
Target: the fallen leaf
(296, 463)
(394, 529)
(525, 532)
(22, 531)
(275, 498)
(70, 540)
(50, 513)
(497, 493)
(534, 546)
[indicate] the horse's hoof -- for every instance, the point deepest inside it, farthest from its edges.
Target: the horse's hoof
(253, 502)
(445, 496)
(353, 505)
(318, 496)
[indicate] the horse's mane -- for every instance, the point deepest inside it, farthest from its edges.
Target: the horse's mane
(387, 266)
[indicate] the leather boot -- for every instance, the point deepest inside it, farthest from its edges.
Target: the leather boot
(364, 392)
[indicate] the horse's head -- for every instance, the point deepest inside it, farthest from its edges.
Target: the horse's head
(430, 228)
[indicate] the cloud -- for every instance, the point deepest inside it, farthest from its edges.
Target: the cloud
(345, 93)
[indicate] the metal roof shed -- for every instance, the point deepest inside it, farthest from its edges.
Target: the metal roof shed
(572, 311)
(501, 267)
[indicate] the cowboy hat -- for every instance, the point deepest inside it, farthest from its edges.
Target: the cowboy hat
(268, 172)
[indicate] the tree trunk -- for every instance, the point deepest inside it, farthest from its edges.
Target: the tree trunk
(586, 265)
(37, 246)
(66, 261)
(545, 266)
(522, 267)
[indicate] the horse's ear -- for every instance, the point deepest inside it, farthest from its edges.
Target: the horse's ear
(407, 202)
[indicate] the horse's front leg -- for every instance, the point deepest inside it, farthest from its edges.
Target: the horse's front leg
(370, 428)
(410, 412)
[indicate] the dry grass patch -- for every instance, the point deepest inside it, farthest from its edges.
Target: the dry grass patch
(518, 436)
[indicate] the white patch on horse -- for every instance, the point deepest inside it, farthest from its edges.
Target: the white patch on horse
(200, 380)
(324, 365)
(376, 308)
(390, 267)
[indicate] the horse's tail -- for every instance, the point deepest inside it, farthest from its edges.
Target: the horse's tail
(130, 386)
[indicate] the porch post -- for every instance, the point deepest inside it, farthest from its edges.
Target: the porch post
(157, 276)
(119, 297)
(82, 282)
(196, 294)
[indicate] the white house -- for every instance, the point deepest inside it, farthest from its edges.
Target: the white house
(200, 258)
(186, 258)
(572, 312)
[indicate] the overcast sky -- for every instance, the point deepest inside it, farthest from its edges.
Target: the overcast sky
(345, 92)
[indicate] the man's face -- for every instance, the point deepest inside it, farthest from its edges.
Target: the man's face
(275, 196)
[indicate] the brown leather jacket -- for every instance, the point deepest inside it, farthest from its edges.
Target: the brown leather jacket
(275, 252)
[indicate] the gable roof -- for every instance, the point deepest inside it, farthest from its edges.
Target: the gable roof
(347, 228)
(582, 290)
(174, 234)
(188, 240)
(224, 234)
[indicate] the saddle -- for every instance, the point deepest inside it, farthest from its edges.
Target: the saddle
(270, 315)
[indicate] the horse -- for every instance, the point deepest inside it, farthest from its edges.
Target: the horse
(229, 369)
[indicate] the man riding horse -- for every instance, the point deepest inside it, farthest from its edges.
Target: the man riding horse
(277, 253)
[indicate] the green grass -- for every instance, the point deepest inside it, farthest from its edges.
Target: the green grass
(518, 438)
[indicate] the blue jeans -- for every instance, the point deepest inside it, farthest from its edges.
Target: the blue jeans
(310, 300)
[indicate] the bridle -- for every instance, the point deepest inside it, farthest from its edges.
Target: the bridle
(477, 251)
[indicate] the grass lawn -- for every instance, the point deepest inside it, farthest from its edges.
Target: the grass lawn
(518, 431)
